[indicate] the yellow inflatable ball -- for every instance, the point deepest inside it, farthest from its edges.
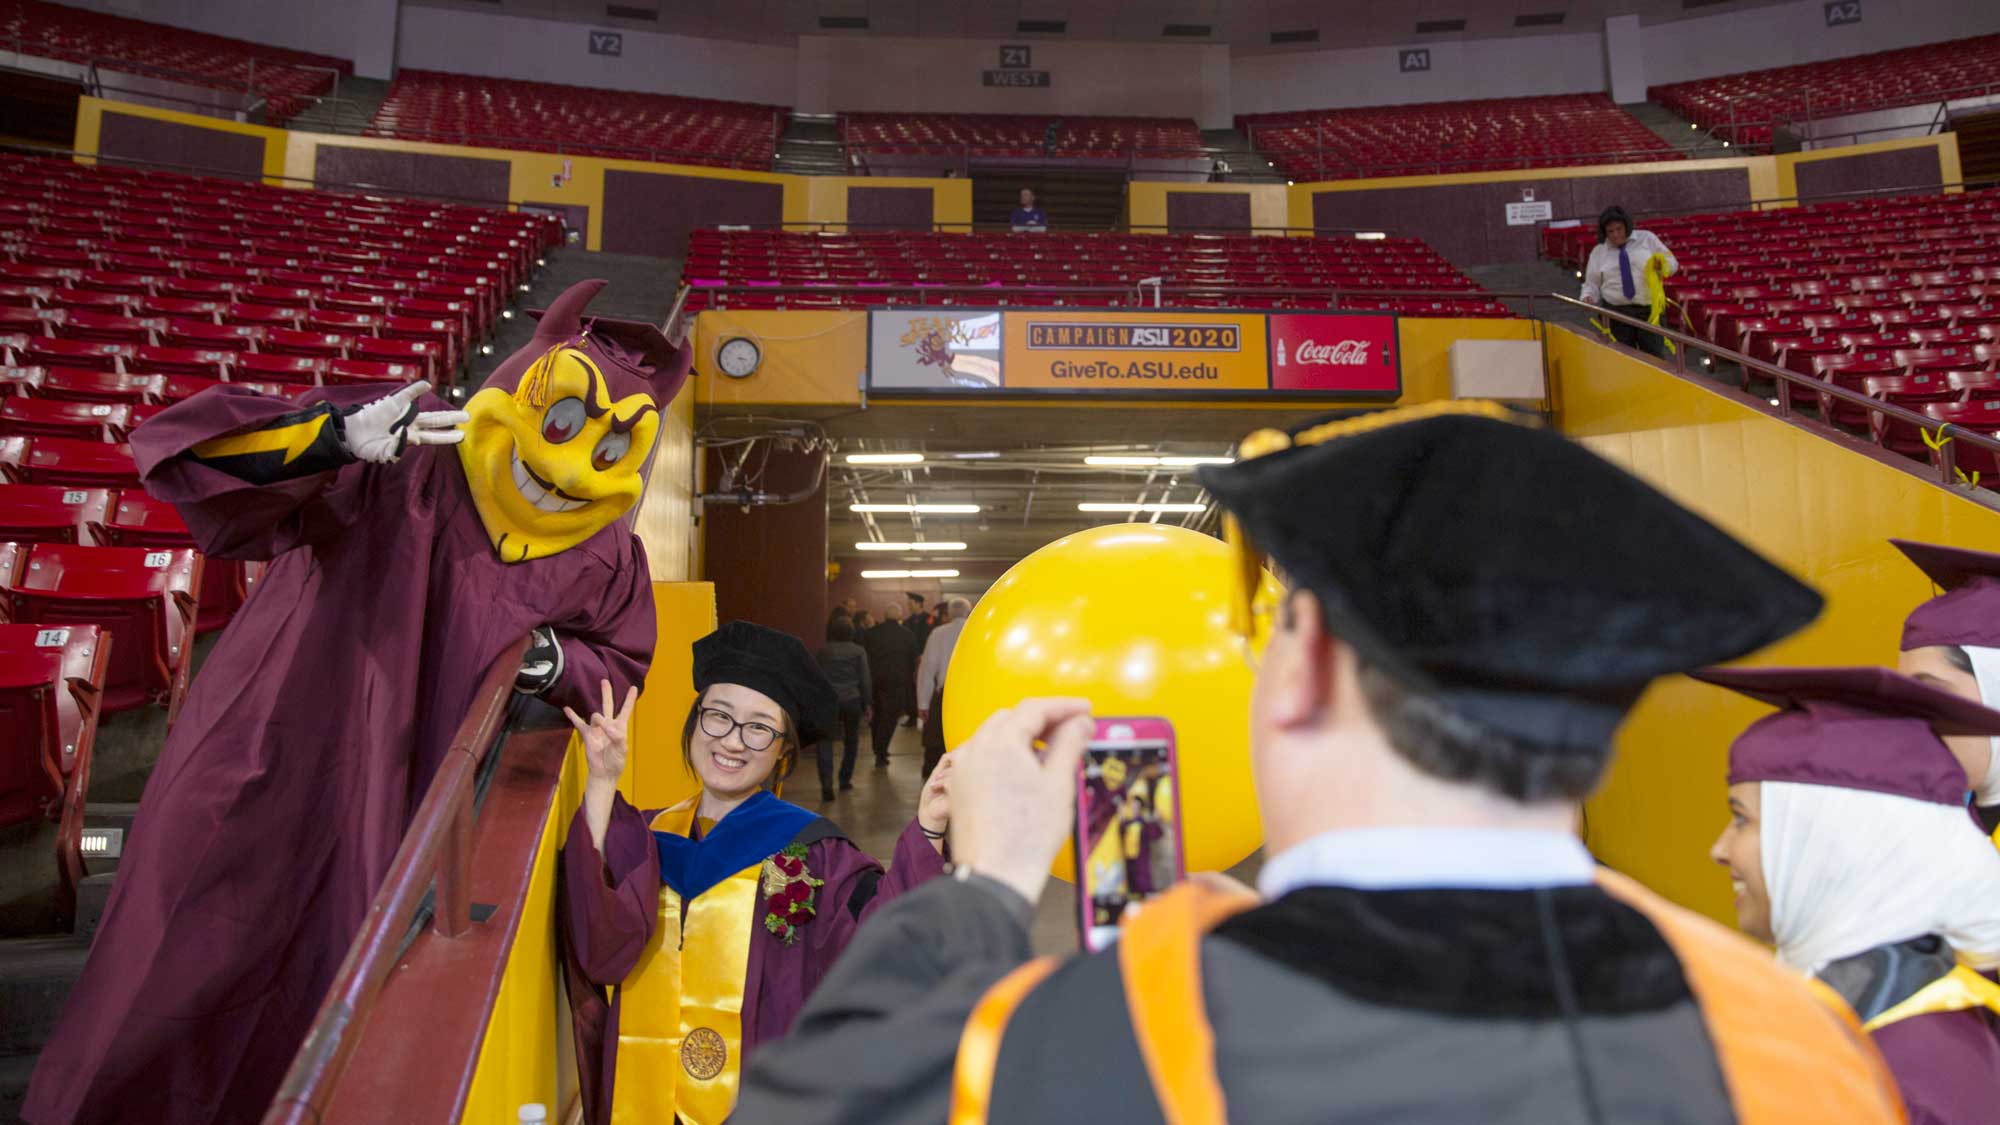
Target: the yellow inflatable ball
(1134, 618)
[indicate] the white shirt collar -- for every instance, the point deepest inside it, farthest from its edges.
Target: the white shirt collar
(1407, 858)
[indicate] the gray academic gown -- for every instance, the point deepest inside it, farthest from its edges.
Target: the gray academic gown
(1328, 1005)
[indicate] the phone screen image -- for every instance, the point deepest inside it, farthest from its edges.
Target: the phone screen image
(1128, 832)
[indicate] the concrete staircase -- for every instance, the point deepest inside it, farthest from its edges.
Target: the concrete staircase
(1678, 131)
(810, 146)
(1246, 164)
(348, 113)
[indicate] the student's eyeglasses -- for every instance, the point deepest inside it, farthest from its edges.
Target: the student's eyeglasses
(720, 724)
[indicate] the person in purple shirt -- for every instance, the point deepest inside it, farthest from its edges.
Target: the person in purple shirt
(1028, 216)
(1848, 849)
(715, 919)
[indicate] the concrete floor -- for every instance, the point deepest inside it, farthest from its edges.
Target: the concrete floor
(882, 803)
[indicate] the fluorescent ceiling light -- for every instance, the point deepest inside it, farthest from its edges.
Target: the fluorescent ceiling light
(909, 546)
(885, 458)
(1142, 462)
(918, 509)
(909, 574)
(1136, 507)
(1370, 235)
(987, 455)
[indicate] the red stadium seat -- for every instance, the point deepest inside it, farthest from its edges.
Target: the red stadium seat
(31, 417)
(67, 461)
(99, 386)
(51, 691)
(1912, 392)
(137, 520)
(87, 354)
(356, 371)
(321, 345)
(142, 600)
(1983, 416)
(44, 513)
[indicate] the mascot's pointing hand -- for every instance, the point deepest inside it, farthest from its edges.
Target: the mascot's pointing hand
(378, 431)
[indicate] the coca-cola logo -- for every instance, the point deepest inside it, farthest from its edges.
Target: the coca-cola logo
(1347, 353)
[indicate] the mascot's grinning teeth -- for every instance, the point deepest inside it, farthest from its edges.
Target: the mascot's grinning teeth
(536, 494)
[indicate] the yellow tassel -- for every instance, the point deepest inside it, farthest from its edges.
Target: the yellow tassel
(1656, 292)
(1936, 443)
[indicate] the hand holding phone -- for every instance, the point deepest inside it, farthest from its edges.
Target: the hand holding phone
(1128, 823)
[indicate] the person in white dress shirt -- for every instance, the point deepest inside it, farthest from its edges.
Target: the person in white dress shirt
(1615, 276)
(930, 678)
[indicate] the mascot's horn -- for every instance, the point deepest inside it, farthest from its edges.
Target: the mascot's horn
(564, 316)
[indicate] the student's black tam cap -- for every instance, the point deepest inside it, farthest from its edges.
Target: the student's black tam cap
(1517, 577)
(774, 663)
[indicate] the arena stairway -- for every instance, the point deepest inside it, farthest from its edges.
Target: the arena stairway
(810, 146)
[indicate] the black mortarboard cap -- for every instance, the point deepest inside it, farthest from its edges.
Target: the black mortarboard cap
(774, 663)
(1520, 579)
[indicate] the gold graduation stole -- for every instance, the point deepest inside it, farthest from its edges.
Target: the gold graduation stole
(1956, 991)
(680, 1023)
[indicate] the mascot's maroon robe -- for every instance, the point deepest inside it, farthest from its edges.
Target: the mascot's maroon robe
(301, 753)
(612, 902)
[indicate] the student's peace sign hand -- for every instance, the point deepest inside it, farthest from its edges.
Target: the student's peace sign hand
(604, 735)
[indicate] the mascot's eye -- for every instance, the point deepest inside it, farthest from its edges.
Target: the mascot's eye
(563, 421)
(610, 450)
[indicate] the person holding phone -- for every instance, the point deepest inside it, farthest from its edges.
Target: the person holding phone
(715, 919)
(1441, 683)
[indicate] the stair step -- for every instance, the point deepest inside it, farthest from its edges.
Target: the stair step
(15, 1070)
(92, 893)
(36, 975)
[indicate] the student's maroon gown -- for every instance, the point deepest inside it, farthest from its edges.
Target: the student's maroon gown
(1947, 1065)
(303, 749)
(612, 902)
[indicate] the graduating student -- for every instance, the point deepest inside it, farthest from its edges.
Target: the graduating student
(1442, 683)
(1897, 918)
(715, 919)
(1953, 642)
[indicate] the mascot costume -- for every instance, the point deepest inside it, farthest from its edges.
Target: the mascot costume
(411, 545)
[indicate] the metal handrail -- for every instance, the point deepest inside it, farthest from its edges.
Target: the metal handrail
(1943, 433)
(939, 227)
(436, 849)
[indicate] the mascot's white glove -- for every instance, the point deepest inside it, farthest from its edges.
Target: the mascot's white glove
(542, 664)
(378, 431)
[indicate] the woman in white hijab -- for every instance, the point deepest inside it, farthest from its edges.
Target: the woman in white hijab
(1952, 641)
(1849, 850)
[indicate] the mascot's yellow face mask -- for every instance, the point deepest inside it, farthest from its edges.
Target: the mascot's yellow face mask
(556, 460)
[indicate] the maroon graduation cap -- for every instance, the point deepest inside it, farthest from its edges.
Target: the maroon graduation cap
(1853, 728)
(1968, 612)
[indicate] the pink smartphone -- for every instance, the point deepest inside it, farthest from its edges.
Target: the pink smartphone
(1128, 823)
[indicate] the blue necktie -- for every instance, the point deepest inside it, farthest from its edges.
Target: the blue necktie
(1625, 275)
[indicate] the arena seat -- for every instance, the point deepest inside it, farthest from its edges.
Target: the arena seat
(1021, 135)
(1982, 415)
(134, 519)
(51, 690)
(425, 105)
(67, 462)
(1912, 392)
(1466, 136)
(32, 417)
(144, 600)
(1742, 107)
(869, 268)
(287, 79)
(47, 513)
(238, 263)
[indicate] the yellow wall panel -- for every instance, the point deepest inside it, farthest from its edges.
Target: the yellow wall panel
(1824, 512)
(654, 774)
(665, 520)
(1426, 345)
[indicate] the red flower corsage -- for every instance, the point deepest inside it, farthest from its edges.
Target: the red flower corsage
(790, 893)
